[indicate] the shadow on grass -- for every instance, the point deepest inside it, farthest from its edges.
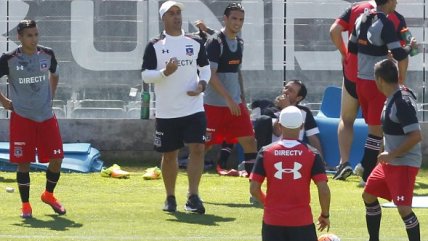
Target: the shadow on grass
(7, 180)
(236, 205)
(58, 223)
(193, 218)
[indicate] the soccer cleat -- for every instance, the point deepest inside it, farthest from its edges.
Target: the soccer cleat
(106, 172)
(194, 204)
(344, 170)
(49, 199)
(359, 170)
(114, 171)
(170, 204)
(27, 212)
(224, 172)
(118, 173)
(152, 173)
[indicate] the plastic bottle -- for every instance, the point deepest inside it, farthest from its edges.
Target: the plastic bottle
(145, 104)
(406, 35)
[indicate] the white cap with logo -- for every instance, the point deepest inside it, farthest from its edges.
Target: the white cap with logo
(291, 117)
(167, 5)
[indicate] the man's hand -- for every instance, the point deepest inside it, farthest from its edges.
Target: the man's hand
(282, 101)
(413, 43)
(233, 107)
(385, 157)
(171, 66)
(7, 104)
(201, 88)
(323, 223)
(201, 25)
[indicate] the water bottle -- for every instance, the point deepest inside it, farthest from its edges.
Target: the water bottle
(145, 104)
(406, 35)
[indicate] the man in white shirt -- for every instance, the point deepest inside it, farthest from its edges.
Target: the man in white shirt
(171, 62)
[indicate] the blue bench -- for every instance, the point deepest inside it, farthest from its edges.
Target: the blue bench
(328, 121)
(78, 157)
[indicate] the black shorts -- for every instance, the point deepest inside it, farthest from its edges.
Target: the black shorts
(351, 87)
(282, 233)
(171, 134)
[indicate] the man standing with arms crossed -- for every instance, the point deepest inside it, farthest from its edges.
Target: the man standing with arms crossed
(33, 77)
(224, 101)
(171, 63)
(394, 177)
(289, 166)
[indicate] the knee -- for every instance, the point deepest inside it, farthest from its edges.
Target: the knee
(23, 167)
(55, 165)
(169, 157)
(368, 198)
(404, 210)
(198, 150)
(348, 121)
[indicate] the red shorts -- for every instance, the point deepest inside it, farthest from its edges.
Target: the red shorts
(223, 126)
(371, 101)
(394, 183)
(27, 135)
(350, 67)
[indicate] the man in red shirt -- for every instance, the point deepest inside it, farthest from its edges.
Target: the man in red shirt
(289, 166)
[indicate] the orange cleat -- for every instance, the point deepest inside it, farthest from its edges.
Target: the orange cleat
(49, 199)
(27, 212)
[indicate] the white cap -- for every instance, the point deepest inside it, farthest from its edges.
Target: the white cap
(291, 117)
(167, 5)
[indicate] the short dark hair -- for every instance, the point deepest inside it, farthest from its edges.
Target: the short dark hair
(233, 6)
(381, 2)
(303, 90)
(26, 23)
(387, 70)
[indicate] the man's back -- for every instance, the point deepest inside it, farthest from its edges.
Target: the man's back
(374, 34)
(289, 166)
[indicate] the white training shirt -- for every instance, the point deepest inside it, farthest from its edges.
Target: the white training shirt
(172, 100)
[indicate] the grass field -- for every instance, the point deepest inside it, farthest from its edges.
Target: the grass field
(130, 209)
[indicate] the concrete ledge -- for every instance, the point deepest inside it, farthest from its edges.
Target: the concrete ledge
(128, 139)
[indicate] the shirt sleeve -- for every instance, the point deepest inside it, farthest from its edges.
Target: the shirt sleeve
(391, 40)
(4, 66)
(311, 127)
(344, 19)
(149, 58)
(213, 50)
(318, 170)
(54, 63)
(399, 24)
(352, 43)
(258, 173)
(202, 56)
(406, 114)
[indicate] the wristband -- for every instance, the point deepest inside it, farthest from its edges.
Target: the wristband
(325, 216)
